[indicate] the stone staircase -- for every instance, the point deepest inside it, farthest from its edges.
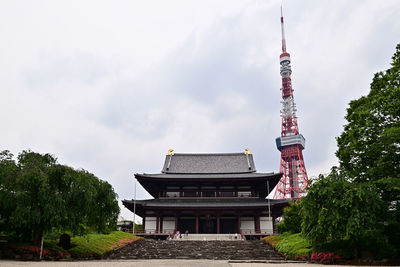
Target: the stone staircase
(214, 250)
(208, 237)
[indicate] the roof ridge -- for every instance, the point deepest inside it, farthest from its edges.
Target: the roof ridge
(255, 173)
(209, 154)
(209, 163)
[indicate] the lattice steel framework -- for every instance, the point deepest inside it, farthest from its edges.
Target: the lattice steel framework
(291, 143)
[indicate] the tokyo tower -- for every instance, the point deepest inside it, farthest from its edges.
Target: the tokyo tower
(291, 143)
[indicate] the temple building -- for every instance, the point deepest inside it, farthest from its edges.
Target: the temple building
(208, 193)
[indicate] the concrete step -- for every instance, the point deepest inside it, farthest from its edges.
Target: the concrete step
(208, 237)
(216, 250)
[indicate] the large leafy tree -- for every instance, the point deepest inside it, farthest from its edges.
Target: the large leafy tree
(38, 195)
(369, 147)
(336, 209)
(38, 207)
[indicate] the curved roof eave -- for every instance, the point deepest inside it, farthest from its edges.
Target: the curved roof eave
(210, 176)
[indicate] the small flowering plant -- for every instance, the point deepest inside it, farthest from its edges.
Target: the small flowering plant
(47, 254)
(325, 257)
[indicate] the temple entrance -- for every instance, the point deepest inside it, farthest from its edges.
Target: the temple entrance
(207, 225)
(228, 225)
(187, 224)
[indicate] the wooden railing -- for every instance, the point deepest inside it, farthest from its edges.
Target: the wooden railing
(257, 232)
(152, 232)
(171, 232)
(208, 194)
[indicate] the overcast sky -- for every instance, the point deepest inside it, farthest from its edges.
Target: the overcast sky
(110, 86)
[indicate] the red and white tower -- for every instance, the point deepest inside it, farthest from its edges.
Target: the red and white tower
(291, 143)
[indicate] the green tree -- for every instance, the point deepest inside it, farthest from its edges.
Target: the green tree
(39, 195)
(336, 209)
(8, 172)
(107, 210)
(292, 218)
(37, 206)
(369, 147)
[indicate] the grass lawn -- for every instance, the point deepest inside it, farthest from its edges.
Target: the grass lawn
(291, 245)
(97, 245)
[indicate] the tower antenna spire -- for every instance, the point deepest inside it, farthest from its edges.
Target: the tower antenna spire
(283, 33)
(293, 183)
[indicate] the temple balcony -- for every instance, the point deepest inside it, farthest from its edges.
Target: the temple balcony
(208, 194)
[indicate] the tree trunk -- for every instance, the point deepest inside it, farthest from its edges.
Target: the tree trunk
(355, 249)
(37, 237)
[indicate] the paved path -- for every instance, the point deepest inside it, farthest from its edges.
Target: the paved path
(152, 263)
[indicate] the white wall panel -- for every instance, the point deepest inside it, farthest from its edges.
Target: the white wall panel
(168, 223)
(247, 223)
(151, 223)
(266, 224)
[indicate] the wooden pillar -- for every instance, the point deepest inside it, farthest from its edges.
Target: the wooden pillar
(176, 223)
(197, 224)
(218, 225)
(161, 224)
(257, 222)
(144, 224)
(157, 224)
(239, 224)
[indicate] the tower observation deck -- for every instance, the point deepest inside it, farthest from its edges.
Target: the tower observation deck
(291, 143)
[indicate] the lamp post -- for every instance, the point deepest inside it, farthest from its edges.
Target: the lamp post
(269, 204)
(269, 207)
(134, 210)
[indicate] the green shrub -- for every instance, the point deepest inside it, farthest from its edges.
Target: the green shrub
(97, 245)
(372, 244)
(342, 247)
(50, 251)
(52, 246)
(392, 231)
(272, 240)
(291, 219)
(325, 257)
(376, 244)
(293, 246)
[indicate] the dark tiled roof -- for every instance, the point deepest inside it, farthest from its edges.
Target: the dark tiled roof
(210, 175)
(181, 163)
(154, 182)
